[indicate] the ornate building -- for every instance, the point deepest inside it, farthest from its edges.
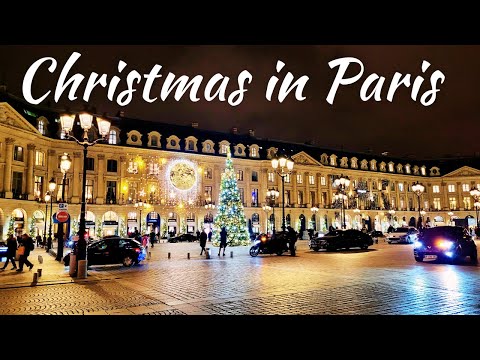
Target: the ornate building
(176, 170)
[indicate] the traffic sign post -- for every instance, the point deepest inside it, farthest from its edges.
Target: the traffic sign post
(62, 216)
(62, 206)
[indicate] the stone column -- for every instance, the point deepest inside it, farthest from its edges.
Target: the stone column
(293, 179)
(262, 191)
(217, 180)
(30, 165)
(460, 204)
(52, 164)
(306, 198)
(7, 178)
(445, 204)
(329, 189)
(123, 167)
(101, 180)
(319, 190)
(77, 181)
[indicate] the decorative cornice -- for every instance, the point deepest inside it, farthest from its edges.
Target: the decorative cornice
(101, 156)
(10, 141)
(77, 154)
(31, 146)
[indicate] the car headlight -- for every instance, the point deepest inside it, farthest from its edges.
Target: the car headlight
(257, 242)
(413, 237)
(417, 245)
(445, 244)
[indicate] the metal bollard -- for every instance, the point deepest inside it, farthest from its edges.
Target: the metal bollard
(40, 259)
(188, 255)
(169, 255)
(207, 253)
(35, 278)
(72, 265)
(231, 254)
(39, 271)
(82, 269)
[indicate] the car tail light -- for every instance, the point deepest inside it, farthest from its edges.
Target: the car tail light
(138, 250)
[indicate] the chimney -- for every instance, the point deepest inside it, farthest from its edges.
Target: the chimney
(251, 132)
(234, 130)
(195, 125)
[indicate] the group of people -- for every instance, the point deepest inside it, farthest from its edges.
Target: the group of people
(23, 246)
(203, 237)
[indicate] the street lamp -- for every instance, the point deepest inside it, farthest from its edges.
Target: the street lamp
(314, 210)
(52, 184)
(47, 199)
(475, 193)
(342, 183)
(267, 209)
(65, 164)
(418, 189)
(86, 124)
(272, 196)
(140, 205)
(283, 166)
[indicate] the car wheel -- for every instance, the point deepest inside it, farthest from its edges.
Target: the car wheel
(279, 252)
(128, 261)
(254, 251)
(419, 258)
(315, 249)
(331, 248)
(364, 247)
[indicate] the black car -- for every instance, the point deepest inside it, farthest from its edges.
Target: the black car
(113, 250)
(341, 239)
(451, 243)
(183, 237)
(376, 235)
(3, 249)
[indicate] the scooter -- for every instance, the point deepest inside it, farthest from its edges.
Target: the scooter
(265, 245)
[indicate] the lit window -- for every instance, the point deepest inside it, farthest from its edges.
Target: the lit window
(299, 179)
(453, 203)
(63, 135)
(287, 178)
(436, 204)
(311, 179)
(39, 158)
(466, 203)
(253, 151)
(41, 127)
(208, 173)
(112, 137)
(271, 177)
(400, 186)
(153, 168)
(191, 145)
(436, 189)
(240, 175)
(323, 181)
(407, 169)
(18, 153)
(451, 188)
(390, 167)
(333, 161)
(254, 176)
(154, 140)
(466, 187)
(223, 149)
(423, 170)
(38, 186)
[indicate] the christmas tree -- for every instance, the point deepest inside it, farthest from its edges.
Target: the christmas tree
(32, 229)
(230, 210)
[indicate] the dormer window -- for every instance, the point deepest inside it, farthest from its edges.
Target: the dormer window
(134, 138)
(154, 140)
(207, 147)
(254, 151)
(407, 168)
(173, 142)
(41, 127)
(112, 137)
(373, 165)
(364, 164)
(333, 160)
(191, 143)
(423, 170)
(224, 146)
(391, 167)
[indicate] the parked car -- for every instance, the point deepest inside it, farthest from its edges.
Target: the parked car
(183, 237)
(113, 250)
(3, 249)
(451, 243)
(341, 239)
(376, 235)
(403, 235)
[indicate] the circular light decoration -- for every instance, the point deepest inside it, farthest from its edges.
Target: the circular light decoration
(182, 174)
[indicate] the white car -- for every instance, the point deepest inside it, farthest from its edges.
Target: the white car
(402, 235)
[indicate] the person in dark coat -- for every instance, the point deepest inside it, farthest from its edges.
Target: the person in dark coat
(27, 242)
(152, 238)
(198, 234)
(203, 241)
(11, 251)
(292, 237)
(210, 236)
(223, 241)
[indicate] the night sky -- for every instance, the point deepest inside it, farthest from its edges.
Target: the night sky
(403, 127)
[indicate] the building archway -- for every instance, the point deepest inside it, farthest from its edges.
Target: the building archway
(109, 224)
(2, 222)
(172, 223)
(191, 228)
(255, 223)
(412, 221)
(38, 226)
(18, 222)
(153, 222)
(313, 223)
(303, 224)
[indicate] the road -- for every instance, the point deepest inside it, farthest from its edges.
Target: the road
(382, 280)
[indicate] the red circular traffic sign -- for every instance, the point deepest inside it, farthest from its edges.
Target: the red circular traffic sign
(62, 216)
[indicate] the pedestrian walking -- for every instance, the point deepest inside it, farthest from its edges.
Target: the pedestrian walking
(27, 243)
(223, 241)
(292, 237)
(210, 236)
(198, 234)
(203, 241)
(38, 238)
(11, 250)
(152, 238)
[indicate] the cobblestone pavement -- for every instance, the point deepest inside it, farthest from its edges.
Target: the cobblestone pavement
(382, 280)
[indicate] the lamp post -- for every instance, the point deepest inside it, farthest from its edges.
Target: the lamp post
(475, 193)
(314, 210)
(418, 189)
(52, 184)
(423, 213)
(65, 164)
(450, 213)
(267, 209)
(342, 183)
(272, 196)
(86, 124)
(392, 213)
(46, 199)
(283, 166)
(139, 205)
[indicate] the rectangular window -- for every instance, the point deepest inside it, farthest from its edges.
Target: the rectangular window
(324, 198)
(423, 171)
(407, 169)
(453, 203)
(90, 164)
(111, 192)
(39, 187)
(253, 151)
(223, 149)
(271, 177)
(300, 197)
(390, 167)
(466, 203)
(323, 181)
(39, 158)
(451, 188)
(392, 186)
(89, 191)
(400, 186)
(18, 153)
(299, 179)
(17, 180)
(153, 168)
(311, 179)
(436, 189)
(425, 205)
(59, 190)
(208, 173)
(254, 176)
(437, 204)
(312, 198)
(112, 137)
(242, 195)
(466, 187)
(287, 178)
(239, 175)
(402, 204)
(208, 193)
(191, 145)
(254, 197)
(112, 166)
(287, 197)
(393, 203)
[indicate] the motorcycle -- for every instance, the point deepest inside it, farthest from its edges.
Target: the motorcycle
(278, 244)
